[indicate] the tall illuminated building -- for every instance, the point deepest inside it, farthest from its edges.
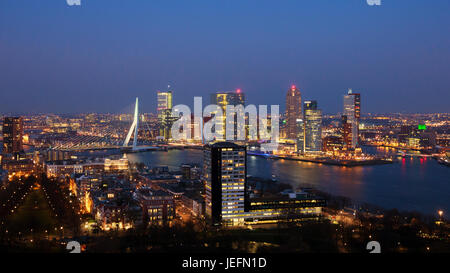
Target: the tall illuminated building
(301, 136)
(222, 99)
(309, 138)
(225, 176)
(351, 115)
(164, 101)
(12, 135)
(164, 112)
(347, 135)
(313, 127)
(293, 111)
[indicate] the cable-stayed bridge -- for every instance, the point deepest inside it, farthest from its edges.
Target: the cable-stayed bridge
(110, 136)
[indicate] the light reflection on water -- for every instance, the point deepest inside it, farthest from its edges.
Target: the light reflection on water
(410, 184)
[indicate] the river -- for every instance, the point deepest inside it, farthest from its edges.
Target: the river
(412, 184)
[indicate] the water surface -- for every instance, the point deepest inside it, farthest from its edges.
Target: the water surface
(411, 184)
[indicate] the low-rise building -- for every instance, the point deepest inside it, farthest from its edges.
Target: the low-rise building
(160, 178)
(117, 165)
(175, 189)
(93, 168)
(18, 167)
(116, 210)
(194, 202)
(158, 206)
(86, 183)
(63, 168)
(69, 167)
(294, 207)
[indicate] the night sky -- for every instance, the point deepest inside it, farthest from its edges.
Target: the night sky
(99, 56)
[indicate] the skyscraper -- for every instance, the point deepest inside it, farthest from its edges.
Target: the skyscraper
(313, 127)
(228, 98)
(225, 177)
(347, 135)
(352, 112)
(309, 138)
(301, 136)
(164, 111)
(12, 135)
(293, 111)
(222, 99)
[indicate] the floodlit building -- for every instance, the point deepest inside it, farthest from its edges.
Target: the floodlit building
(158, 206)
(227, 202)
(114, 214)
(295, 207)
(57, 155)
(332, 144)
(117, 165)
(13, 159)
(69, 167)
(164, 112)
(12, 135)
(293, 112)
(86, 183)
(113, 205)
(301, 136)
(225, 182)
(309, 138)
(222, 99)
(351, 115)
(58, 169)
(18, 167)
(194, 202)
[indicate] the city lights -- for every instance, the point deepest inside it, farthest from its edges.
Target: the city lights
(227, 135)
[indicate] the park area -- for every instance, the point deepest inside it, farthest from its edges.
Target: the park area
(33, 217)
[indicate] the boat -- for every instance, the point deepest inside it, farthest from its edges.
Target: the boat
(444, 161)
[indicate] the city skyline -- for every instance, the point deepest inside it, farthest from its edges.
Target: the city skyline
(202, 48)
(129, 109)
(234, 135)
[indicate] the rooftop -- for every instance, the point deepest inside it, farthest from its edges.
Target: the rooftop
(226, 144)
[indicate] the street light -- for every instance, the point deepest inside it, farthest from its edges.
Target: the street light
(440, 212)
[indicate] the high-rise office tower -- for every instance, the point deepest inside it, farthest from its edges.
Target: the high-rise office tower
(12, 135)
(293, 111)
(313, 127)
(309, 138)
(164, 111)
(301, 136)
(225, 176)
(352, 112)
(228, 98)
(164, 101)
(347, 135)
(222, 99)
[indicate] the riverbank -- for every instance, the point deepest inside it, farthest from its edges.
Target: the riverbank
(327, 161)
(409, 184)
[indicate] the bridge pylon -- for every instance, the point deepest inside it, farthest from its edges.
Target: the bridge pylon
(134, 127)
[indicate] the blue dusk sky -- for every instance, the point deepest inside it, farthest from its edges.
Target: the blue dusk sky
(99, 56)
